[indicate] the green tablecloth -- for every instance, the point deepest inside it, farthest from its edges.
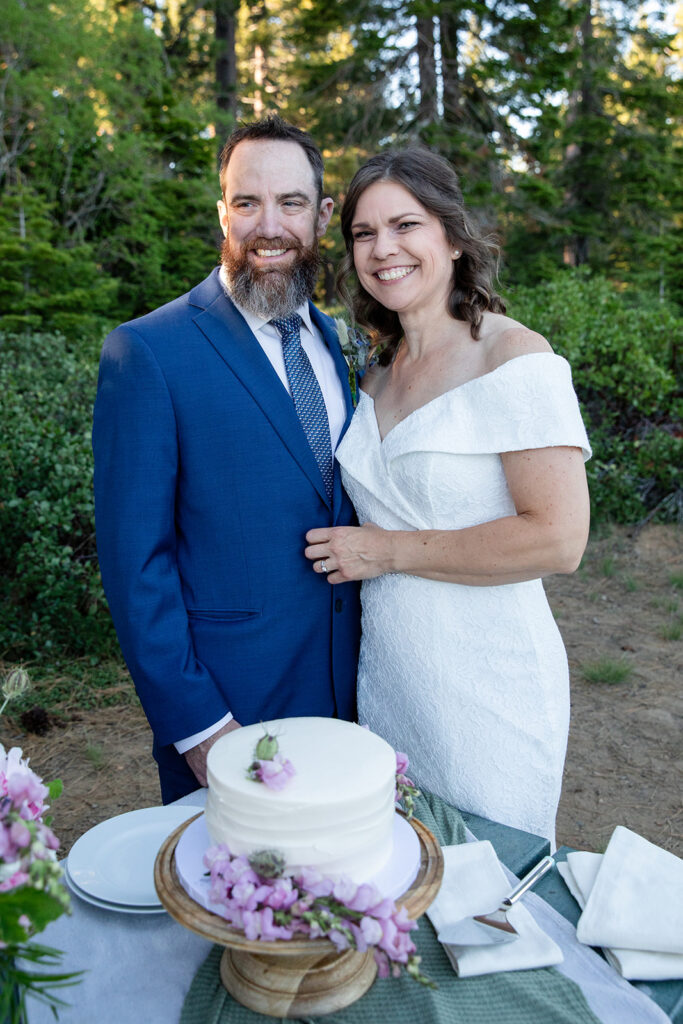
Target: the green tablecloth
(541, 996)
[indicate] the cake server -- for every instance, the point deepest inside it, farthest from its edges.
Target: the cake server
(490, 929)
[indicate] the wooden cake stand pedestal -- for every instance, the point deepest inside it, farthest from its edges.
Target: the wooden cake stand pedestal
(296, 977)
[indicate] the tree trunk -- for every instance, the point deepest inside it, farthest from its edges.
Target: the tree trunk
(449, 24)
(427, 109)
(585, 193)
(226, 67)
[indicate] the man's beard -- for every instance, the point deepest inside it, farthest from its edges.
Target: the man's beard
(271, 293)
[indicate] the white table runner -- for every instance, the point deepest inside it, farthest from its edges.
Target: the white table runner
(139, 969)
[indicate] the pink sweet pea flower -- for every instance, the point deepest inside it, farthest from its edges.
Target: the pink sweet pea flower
(275, 774)
(366, 896)
(26, 791)
(313, 882)
(49, 838)
(340, 940)
(382, 961)
(395, 942)
(217, 856)
(344, 890)
(14, 881)
(244, 893)
(402, 762)
(252, 924)
(371, 930)
(19, 834)
(280, 894)
(403, 922)
(271, 931)
(383, 909)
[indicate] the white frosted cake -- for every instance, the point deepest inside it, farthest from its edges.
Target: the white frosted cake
(335, 814)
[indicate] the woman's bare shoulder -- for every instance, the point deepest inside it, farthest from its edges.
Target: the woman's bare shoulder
(506, 339)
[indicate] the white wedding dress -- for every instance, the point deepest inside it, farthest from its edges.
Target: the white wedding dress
(470, 682)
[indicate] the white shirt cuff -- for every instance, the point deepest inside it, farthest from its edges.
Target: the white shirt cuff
(191, 741)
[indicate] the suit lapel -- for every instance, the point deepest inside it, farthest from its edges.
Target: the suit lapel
(226, 330)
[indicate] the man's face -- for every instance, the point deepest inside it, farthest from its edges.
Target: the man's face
(272, 222)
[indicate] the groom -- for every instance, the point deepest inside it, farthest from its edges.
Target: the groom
(215, 424)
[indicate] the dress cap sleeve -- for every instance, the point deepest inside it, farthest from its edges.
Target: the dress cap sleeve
(527, 402)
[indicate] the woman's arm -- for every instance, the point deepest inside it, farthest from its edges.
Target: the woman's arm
(548, 534)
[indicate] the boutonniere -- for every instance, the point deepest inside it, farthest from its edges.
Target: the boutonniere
(356, 350)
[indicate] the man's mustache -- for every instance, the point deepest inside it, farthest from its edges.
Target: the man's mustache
(278, 242)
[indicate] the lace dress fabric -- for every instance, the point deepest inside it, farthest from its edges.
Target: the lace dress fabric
(470, 682)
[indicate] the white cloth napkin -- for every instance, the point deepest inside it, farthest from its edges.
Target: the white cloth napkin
(579, 872)
(475, 883)
(636, 901)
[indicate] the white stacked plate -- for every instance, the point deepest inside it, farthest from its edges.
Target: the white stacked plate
(112, 865)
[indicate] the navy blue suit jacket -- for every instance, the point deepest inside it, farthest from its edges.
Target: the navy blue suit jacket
(205, 486)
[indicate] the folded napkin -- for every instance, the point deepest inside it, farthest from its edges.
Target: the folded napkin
(579, 872)
(636, 901)
(475, 883)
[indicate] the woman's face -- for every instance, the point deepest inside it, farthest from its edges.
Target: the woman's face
(400, 251)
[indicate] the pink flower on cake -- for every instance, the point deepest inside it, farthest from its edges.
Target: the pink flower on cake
(364, 899)
(274, 774)
(406, 789)
(281, 895)
(314, 883)
(266, 907)
(371, 930)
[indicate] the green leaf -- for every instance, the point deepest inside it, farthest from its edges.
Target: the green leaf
(40, 908)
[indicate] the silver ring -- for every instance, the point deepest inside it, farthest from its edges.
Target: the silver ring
(323, 567)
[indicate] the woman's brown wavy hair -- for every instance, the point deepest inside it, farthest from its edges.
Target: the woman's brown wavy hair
(434, 183)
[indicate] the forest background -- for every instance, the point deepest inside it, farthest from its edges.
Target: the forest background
(563, 118)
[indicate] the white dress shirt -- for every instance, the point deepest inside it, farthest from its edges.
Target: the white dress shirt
(324, 368)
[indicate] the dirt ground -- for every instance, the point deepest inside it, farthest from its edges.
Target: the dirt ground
(624, 765)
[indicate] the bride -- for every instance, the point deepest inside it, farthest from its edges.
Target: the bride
(465, 462)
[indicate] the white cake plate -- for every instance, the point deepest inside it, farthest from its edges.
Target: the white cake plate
(397, 875)
(300, 977)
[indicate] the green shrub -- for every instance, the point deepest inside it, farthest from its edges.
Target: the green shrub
(51, 596)
(622, 350)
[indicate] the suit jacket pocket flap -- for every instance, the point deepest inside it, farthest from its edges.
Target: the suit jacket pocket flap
(222, 614)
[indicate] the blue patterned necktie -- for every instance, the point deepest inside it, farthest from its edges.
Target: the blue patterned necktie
(308, 398)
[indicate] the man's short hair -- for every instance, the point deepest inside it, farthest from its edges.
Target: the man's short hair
(274, 128)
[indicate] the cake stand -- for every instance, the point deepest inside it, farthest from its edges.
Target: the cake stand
(295, 977)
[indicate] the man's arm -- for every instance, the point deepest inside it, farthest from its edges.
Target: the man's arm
(135, 442)
(196, 756)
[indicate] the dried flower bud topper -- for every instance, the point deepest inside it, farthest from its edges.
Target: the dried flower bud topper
(267, 863)
(269, 766)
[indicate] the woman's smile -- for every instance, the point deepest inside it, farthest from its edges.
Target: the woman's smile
(394, 273)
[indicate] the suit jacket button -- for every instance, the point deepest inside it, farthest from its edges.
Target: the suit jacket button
(338, 604)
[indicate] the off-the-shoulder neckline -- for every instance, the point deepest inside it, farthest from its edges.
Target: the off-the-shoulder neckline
(451, 391)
